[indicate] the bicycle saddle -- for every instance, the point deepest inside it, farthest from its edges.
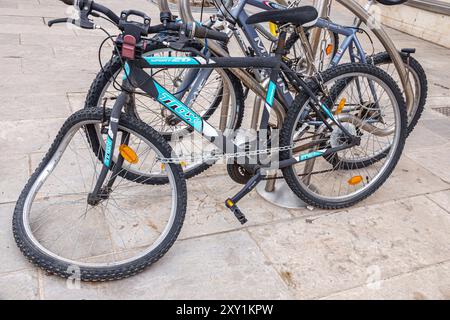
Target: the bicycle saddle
(391, 2)
(298, 16)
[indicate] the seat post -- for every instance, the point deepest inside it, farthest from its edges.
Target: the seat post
(281, 45)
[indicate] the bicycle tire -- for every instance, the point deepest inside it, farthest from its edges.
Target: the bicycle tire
(290, 175)
(420, 77)
(60, 267)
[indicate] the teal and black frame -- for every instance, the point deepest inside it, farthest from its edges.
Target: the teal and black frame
(137, 77)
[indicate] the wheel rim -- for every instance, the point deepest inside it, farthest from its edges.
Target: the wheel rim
(124, 249)
(318, 187)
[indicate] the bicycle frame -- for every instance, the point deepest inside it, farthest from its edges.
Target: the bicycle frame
(354, 7)
(255, 42)
(135, 76)
(192, 119)
(196, 78)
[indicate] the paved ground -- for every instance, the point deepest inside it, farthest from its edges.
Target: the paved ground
(393, 245)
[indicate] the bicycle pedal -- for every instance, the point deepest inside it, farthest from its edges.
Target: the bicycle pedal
(236, 211)
(408, 51)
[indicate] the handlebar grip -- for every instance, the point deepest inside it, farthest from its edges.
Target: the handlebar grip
(62, 20)
(206, 33)
(391, 2)
(68, 2)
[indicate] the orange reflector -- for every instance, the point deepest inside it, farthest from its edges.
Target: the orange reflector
(163, 166)
(341, 106)
(329, 49)
(128, 154)
(183, 163)
(230, 203)
(273, 29)
(355, 180)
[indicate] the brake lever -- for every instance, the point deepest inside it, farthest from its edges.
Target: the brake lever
(82, 23)
(61, 20)
(181, 46)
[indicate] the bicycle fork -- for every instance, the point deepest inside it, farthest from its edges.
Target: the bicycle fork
(101, 192)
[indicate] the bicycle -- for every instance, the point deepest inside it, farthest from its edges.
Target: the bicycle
(415, 72)
(304, 56)
(253, 33)
(193, 82)
(114, 227)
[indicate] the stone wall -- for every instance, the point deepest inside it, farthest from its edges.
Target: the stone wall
(424, 24)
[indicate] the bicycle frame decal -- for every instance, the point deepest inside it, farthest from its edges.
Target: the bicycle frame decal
(310, 155)
(126, 70)
(179, 108)
(327, 111)
(169, 61)
(266, 5)
(271, 93)
(108, 151)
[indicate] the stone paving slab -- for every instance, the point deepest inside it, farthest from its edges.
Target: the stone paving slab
(442, 199)
(27, 136)
(340, 251)
(21, 51)
(425, 137)
(226, 266)
(21, 20)
(10, 255)
(20, 285)
(12, 39)
(13, 177)
(433, 159)
(429, 283)
(438, 126)
(407, 174)
(11, 65)
(55, 82)
(207, 213)
(34, 107)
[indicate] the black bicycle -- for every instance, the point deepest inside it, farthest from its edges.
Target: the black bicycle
(106, 208)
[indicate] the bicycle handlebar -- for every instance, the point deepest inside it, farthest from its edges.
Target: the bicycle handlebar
(199, 31)
(190, 29)
(95, 7)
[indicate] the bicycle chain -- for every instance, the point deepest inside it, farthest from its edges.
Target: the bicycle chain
(211, 156)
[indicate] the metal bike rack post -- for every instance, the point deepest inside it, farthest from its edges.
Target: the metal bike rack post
(163, 6)
(279, 186)
(388, 44)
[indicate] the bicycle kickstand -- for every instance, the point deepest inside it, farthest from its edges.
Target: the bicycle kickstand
(231, 203)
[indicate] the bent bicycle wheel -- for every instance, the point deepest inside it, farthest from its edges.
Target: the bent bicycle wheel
(132, 225)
